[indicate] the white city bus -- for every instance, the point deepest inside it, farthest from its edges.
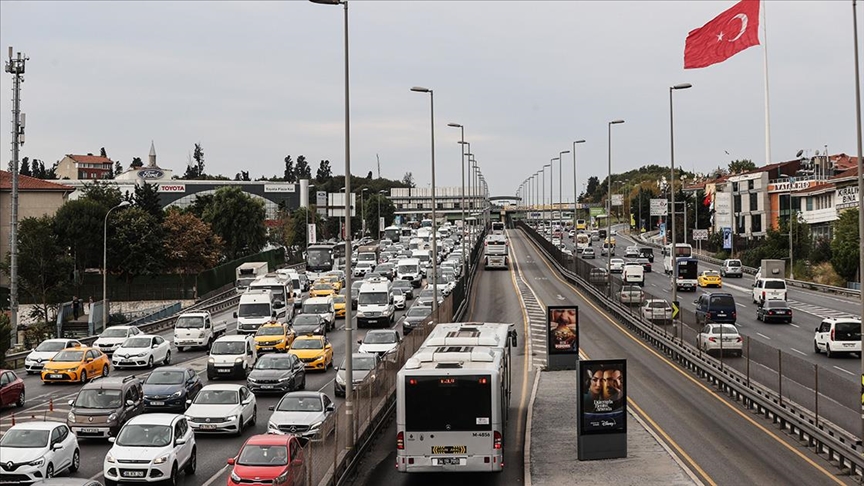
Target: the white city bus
(452, 399)
(681, 250)
(393, 233)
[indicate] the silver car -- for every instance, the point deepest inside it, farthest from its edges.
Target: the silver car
(302, 413)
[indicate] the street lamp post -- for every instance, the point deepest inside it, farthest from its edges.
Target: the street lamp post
(860, 172)
(311, 186)
(349, 338)
(791, 271)
(418, 89)
(105, 263)
(560, 187)
(363, 212)
(609, 201)
(462, 144)
(378, 224)
(551, 193)
(674, 255)
(543, 198)
(574, 182)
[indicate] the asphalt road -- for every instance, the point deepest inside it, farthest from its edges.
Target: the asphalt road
(213, 451)
(718, 440)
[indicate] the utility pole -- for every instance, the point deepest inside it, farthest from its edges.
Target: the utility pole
(15, 67)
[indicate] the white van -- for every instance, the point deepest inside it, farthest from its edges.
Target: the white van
(233, 355)
(409, 269)
(322, 306)
(255, 308)
(283, 297)
(633, 273)
(296, 285)
(197, 329)
(375, 304)
(769, 289)
(425, 258)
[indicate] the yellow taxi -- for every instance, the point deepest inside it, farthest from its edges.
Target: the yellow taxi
(322, 289)
(610, 240)
(314, 351)
(339, 305)
(709, 278)
(273, 337)
(77, 364)
(333, 280)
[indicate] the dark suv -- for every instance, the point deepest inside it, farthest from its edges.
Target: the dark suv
(104, 405)
(716, 307)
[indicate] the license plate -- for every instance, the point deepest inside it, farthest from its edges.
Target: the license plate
(267, 387)
(449, 461)
(223, 370)
(133, 474)
(373, 321)
(89, 431)
(58, 377)
(156, 404)
(208, 426)
(269, 348)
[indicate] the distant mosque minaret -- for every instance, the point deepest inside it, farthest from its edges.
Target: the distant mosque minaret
(152, 156)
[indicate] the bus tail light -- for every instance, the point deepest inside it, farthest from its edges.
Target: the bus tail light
(400, 441)
(496, 440)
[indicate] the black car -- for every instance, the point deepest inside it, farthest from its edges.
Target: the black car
(647, 253)
(406, 288)
(167, 389)
(412, 319)
(774, 310)
(309, 324)
(277, 373)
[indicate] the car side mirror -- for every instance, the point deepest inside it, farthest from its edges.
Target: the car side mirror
(188, 402)
(179, 442)
(696, 302)
(155, 346)
(816, 330)
(273, 314)
(129, 403)
(70, 402)
(89, 360)
(331, 408)
(231, 461)
(111, 439)
(247, 401)
(235, 315)
(359, 341)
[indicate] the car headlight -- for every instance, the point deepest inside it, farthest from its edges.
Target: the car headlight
(112, 417)
(285, 379)
(140, 354)
(160, 460)
(211, 360)
(281, 478)
(109, 458)
(177, 394)
(230, 418)
(315, 425)
(71, 417)
(251, 380)
(340, 380)
(37, 462)
(238, 360)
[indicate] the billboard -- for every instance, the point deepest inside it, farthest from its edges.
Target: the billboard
(617, 199)
(312, 233)
(722, 210)
(563, 329)
(727, 238)
(603, 397)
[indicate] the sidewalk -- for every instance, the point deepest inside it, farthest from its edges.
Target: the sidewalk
(551, 445)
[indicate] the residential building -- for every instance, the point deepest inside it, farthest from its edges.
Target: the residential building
(85, 167)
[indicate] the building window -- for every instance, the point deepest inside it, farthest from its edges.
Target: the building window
(737, 202)
(734, 187)
(754, 201)
(756, 223)
(740, 224)
(810, 204)
(750, 184)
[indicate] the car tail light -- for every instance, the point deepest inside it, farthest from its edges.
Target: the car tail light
(400, 441)
(712, 339)
(740, 339)
(770, 312)
(832, 333)
(497, 440)
(734, 314)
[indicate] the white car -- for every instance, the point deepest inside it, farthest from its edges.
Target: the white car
(113, 337)
(631, 252)
(35, 361)
(32, 451)
(151, 448)
(380, 341)
(398, 298)
(714, 337)
(302, 413)
(224, 408)
(616, 265)
(142, 350)
(657, 310)
(588, 253)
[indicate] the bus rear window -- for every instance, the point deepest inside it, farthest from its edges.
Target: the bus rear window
(448, 403)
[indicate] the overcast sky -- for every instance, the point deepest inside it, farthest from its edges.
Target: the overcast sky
(256, 81)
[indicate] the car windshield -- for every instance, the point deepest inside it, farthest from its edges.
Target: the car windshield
(406, 269)
(25, 438)
(300, 404)
(363, 363)
(307, 320)
(114, 333)
(217, 397)
(380, 338)
(228, 347)
(307, 344)
(734, 263)
(322, 286)
(722, 301)
(274, 363)
(144, 435)
(69, 356)
(775, 304)
(137, 342)
(51, 346)
(419, 311)
(263, 455)
(339, 299)
(711, 274)
(173, 377)
(725, 329)
(775, 284)
(270, 331)
(373, 298)
(97, 398)
(254, 310)
(190, 322)
(658, 304)
(316, 308)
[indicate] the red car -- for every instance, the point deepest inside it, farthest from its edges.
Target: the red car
(269, 459)
(11, 389)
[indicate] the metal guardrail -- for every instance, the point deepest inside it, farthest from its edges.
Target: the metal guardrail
(820, 435)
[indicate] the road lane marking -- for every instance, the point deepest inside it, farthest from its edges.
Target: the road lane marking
(528, 348)
(799, 352)
(794, 325)
(844, 370)
(215, 476)
(711, 393)
(764, 336)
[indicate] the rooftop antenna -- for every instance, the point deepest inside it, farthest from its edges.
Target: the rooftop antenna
(379, 165)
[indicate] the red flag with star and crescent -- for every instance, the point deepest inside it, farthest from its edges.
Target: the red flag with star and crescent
(727, 34)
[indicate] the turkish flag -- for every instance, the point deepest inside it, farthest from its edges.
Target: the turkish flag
(707, 200)
(726, 35)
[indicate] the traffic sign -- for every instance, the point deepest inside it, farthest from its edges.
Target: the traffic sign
(675, 309)
(659, 207)
(700, 234)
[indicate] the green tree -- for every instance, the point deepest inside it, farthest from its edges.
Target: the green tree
(739, 166)
(104, 194)
(303, 171)
(289, 174)
(136, 163)
(5, 338)
(198, 157)
(844, 247)
(190, 246)
(408, 180)
(24, 169)
(199, 205)
(146, 197)
(324, 172)
(118, 168)
(238, 220)
(135, 245)
(44, 266)
(593, 185)
(79, 224)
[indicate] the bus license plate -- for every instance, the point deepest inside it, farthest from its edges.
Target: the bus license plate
(449, 461)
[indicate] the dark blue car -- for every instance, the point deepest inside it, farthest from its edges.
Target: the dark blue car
(168, 388)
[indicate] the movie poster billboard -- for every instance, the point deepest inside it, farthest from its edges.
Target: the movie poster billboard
(603, 396)
(563, 329)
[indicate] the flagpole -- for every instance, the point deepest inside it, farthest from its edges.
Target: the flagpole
(765, 72)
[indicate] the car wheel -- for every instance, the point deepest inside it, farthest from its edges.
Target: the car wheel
(150, 362)
(254, 419)
(815, 348)
(172, 481)
(105, 370)
(192, 464)
(49, 471)
(110, 482)
(303, 383)
(167, 360)
(84, 376)
(76, 461)
(828, 352)
(20, 402)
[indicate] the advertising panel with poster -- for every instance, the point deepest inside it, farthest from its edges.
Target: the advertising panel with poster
(563, 325)
(603, 396)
